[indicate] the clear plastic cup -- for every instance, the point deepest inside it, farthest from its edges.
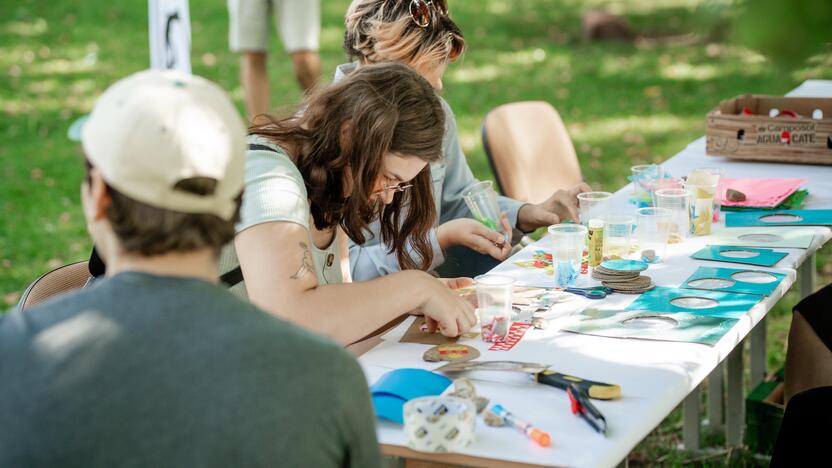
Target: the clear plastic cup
(482, 201)
(637, 176)
(677, 200)
(702, 184)
(593, 205)
(652, 228)
(618, 235)
(568, 246)
(494, 299)
(645, 177)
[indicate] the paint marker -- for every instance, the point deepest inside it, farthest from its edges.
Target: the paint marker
(538, 435)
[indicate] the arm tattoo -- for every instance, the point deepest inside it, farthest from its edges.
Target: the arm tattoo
(306, 262)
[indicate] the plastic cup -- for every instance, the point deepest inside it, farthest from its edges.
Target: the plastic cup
(677, 200)
(702, 184)
(652, 228)
(593, 205)
(637, 174)
(494, 299)
(568, 245)
(645, 177)
(482, 201)
(618, 232)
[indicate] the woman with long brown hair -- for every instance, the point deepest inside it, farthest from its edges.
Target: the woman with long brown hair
(358, 153)
(421, 34)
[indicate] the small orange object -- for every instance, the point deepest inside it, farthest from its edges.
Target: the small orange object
(541, 437)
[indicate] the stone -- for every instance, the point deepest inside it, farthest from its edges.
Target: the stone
(480, 403)
(648, 255)
(493, 420)
(734, 195)
(540, 323)
(464, 389)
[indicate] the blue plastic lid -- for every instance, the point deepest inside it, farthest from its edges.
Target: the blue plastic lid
(395, 388)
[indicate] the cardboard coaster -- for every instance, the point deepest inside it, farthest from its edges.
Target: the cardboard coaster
(624, 265)
(451, 353)
(638, 282)
(602, 275)
(636, 286)
(602, 272)
(627, 290)
(608, 271)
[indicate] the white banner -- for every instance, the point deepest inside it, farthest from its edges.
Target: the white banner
(170, 34)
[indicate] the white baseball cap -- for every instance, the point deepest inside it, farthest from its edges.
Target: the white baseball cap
(155, 128)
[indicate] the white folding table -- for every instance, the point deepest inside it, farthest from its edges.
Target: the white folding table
(654, 376)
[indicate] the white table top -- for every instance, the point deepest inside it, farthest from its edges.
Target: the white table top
(654, 376)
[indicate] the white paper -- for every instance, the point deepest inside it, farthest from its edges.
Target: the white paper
(169, 23)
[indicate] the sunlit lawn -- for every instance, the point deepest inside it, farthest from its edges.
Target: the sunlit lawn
(624, 104)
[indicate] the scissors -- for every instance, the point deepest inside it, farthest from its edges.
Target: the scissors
(597, 292)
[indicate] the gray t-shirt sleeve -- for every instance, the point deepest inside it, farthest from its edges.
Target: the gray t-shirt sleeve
(358, 418)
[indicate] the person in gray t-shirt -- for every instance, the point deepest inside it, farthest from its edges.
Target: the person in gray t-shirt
(156, 364)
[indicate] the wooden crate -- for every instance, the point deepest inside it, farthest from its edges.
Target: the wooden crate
(759, 137)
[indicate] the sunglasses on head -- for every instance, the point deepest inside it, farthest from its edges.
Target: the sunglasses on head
(420, 11)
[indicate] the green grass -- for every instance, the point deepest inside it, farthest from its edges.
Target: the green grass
(623, 104)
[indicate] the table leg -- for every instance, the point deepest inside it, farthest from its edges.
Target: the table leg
(735, 406)
(716, 399)
(807, 274)
(691, 420)
(759, 358)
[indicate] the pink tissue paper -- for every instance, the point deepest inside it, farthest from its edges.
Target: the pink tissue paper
(760, 193)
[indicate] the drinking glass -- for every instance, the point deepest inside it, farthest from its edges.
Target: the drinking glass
(652, 228)
(677, 200)
(482, 201)
(702, 184)
(494, 299)
(593, 205)
(568, 245)
(618, 232)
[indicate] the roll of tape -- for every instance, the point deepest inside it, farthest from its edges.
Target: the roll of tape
(439, 424)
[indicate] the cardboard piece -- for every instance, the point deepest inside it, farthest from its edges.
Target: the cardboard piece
(415, 334)
(798, 238)
(731, 280)
(779, 218)
(726, 253)
(695, 301)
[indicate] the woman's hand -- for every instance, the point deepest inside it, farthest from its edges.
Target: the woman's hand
(445, 310)
(476, 236)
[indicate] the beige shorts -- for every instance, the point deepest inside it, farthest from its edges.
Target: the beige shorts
(297, 21)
